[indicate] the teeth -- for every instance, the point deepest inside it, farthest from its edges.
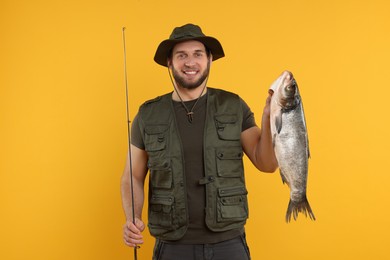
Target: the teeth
(190, 72)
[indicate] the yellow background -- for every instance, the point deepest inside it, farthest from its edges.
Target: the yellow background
(63, 130)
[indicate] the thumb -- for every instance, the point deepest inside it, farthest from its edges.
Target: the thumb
(139, 224)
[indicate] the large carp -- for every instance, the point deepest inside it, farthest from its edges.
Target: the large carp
(289, 135)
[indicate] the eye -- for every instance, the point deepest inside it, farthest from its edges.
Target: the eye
(181, 56)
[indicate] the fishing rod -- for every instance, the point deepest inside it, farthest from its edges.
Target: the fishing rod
(129, 136)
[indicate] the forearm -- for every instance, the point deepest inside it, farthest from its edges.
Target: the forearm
(139, 159)
(265, 153)
(127, 201)
(257, 143)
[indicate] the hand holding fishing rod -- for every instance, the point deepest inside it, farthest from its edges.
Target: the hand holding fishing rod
(136, 225)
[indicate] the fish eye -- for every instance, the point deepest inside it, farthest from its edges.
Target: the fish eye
(291, 87)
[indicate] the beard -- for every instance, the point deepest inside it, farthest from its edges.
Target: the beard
(181, 81)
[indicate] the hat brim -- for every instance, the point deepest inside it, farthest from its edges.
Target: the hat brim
(166, 46)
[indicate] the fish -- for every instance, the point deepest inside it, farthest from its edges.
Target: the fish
(290, 142)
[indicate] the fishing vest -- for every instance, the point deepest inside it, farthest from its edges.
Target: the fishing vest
(226, 194)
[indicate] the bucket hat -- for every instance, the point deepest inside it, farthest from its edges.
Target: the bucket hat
(185, 33)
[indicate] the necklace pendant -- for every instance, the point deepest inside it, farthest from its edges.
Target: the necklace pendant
(190, 116)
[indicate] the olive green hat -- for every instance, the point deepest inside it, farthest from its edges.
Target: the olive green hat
(185, 33)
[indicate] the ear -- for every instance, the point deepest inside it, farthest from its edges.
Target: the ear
(210, 60)
(169, 62)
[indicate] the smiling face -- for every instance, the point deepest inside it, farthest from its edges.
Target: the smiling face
(190, 64)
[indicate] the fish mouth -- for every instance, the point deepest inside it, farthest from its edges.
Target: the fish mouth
(287, 75)
(285, 87)
(288, 79)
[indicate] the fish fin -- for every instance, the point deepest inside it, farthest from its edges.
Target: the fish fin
(284, 180)
(278, 123)
(304, 121)
(295, 207)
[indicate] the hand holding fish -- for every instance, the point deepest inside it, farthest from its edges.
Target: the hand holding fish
(267, 107)
(290, 141)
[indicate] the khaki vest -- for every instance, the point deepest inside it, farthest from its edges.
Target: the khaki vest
(226, 194)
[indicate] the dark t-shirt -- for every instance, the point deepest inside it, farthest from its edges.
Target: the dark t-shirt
(192, 140)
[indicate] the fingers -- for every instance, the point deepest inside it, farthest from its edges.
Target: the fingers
(267, 106)
(132, 233)
(139, 224)
(268, 100)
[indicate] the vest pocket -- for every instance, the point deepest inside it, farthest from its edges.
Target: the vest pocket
(160, 174)
(161, 211)
(156, 145)
(155, 137)
(229, 162)
(228, 127)
(232, 204)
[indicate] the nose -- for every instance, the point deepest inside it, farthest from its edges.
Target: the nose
(189, 62)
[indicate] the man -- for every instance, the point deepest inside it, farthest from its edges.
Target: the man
(192, 141)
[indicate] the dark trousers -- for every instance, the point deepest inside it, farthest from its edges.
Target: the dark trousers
(233, 249)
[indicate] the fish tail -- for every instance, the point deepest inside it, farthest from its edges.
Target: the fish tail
(302, 206)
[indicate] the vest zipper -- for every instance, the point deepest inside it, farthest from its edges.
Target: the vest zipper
(183, 167)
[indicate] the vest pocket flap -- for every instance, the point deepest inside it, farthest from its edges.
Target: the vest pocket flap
(162, 200)
(228, 127)
(230, 154)
(226, 119)
(232, 191)
(159, 164)
(155, 129)
(155, 137)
